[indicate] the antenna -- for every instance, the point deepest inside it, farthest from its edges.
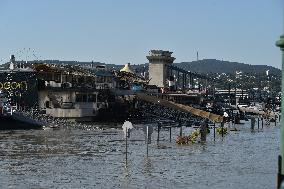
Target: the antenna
(197, 56)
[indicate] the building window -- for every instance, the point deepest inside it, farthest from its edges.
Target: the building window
(85, 97)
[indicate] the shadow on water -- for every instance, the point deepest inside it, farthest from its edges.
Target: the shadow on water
(148, 166)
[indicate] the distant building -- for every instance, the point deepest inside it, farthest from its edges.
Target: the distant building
(238, 92)
(232, 95)
(239, 74)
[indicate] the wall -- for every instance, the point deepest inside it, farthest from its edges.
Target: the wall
(157, 74)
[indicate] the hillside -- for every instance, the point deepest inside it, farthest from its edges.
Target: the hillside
(202, 66)
(218, 66)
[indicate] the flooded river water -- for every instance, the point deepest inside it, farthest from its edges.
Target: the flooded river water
(94, 158)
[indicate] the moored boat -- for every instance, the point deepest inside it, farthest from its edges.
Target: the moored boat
(10, 118)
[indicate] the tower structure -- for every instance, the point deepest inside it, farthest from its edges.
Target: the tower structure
(12, 62)
(158, 63)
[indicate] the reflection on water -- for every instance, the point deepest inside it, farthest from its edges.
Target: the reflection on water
(76, 158)
(148, 166)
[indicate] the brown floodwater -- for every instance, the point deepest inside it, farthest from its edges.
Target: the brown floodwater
(78, 157)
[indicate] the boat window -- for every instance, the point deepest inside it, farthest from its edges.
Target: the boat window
(101, 97)
(47, 104)
(57, 77)
(91, 98)
(84, 98)
(89, 79)
(79, 98)
(81, 80)
(64, 78)
(69, 78)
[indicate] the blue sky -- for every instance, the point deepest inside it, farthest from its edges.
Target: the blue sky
(121, 31)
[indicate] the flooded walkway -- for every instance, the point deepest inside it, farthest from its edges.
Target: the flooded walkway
(77, 158)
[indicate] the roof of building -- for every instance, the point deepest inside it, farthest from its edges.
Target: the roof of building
(127, 68)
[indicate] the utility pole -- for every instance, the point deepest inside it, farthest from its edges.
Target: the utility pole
(280, 43)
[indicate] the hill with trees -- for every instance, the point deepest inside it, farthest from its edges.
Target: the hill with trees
(219, 66)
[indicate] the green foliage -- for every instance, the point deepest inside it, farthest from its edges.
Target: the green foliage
(222, 129)
(192, 138)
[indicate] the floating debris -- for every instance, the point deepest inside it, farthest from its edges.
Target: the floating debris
(192, 138)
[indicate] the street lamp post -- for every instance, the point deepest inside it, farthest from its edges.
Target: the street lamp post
(280, 43)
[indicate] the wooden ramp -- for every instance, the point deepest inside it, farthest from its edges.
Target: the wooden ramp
(181, 107)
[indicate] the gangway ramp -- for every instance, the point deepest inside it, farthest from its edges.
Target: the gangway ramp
(180, 107)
